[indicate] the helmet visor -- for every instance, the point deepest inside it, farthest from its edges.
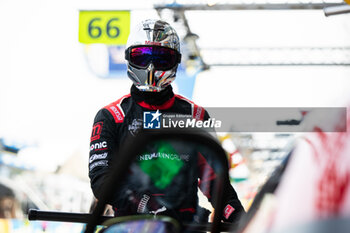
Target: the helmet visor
(162, 58)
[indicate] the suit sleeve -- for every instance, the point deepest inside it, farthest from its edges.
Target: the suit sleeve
(105, 140)
(102, 146)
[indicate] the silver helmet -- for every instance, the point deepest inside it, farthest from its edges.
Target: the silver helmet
(152, 54)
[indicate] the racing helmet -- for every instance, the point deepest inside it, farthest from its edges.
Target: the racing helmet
(152, 54)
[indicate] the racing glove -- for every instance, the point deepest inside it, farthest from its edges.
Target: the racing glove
(231, 214)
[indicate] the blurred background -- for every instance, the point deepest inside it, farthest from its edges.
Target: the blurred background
(235, 54)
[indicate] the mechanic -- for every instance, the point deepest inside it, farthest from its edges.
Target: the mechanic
(153, 55)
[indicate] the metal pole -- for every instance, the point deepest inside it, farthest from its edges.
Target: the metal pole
(336, 10)
(62, 216)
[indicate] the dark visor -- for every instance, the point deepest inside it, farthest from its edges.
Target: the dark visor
(162, 58)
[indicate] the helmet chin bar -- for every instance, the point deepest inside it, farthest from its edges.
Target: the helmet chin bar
(151, 79)
(144, 78)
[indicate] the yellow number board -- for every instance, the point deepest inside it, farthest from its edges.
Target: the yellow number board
(105, 27)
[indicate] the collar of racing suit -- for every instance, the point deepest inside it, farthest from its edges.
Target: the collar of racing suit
(153, 100)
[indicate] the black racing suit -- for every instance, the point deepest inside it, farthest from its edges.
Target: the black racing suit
(117, 121)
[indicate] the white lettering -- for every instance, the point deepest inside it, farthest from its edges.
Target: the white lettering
(116, 112)
(164, 156)
(199, 124)
(164, 124)
(218, 124)
(154, 155)
(181, 124)
(206, 124)
(97, 156)
(190, 123)
(173, 123)
(185, 157)
(98, 145)
(102, 163)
